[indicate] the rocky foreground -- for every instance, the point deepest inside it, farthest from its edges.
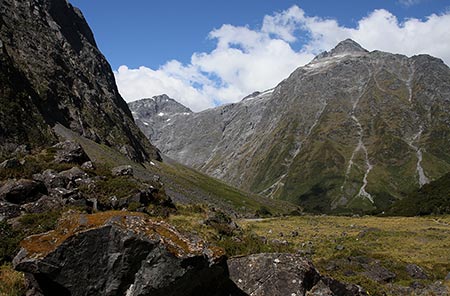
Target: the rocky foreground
(118, 253)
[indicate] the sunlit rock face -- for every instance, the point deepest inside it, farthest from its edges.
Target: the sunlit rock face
(351, 131)
(120, 253)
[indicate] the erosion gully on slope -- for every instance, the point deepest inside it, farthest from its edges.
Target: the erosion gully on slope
(362, 191)
(422, 178)
(293, 154)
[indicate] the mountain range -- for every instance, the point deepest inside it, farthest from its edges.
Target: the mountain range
(350, 131)
(88, 206)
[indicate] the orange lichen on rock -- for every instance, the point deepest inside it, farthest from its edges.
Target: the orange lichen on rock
(38, 246)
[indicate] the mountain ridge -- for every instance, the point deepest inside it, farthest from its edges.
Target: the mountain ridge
(330, 136)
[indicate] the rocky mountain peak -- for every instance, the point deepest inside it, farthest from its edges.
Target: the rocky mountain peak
(161, 105)
(152, 114)
(345, 47)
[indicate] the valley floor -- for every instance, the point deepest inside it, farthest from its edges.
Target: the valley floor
(384, 255)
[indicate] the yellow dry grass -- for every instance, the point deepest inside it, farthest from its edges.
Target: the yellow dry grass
(12, 283)
(394, 241)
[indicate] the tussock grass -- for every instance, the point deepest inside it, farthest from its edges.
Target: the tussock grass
(12, 282)
(393, 241)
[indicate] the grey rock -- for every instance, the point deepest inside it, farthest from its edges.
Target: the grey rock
(52, 179)
(447, 278)
(88, 165)
(364, 232)
(63, 193)
(123, 170)
(70, 152)
(74, 174)
(416, 272)
(417, 285)
(44, 204)
(8, 210)
(339, 247)
(10, 164)
(122, 254)
(140, 200)
(155, 196)
(22, 191)
(92, 203)
(221, 222)
(320, 289)
(379, 273)
(283, 274)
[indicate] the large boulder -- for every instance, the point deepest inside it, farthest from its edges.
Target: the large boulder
(8, 210)
(44, 204)
(284, 274)
(52, 179)
(123, 170)
(416, 272)
(120, 253)
(70, 152)
(22, 191)
(221, 222)
(74, 174)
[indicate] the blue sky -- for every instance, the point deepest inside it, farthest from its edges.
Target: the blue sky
(180, 47)
(143, 32)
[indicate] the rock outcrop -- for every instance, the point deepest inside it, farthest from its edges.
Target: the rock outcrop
(51, 72)
(284, 274)
(123, 253)
(118, 253)
(22, 191)
(351, 131)
(70, 152)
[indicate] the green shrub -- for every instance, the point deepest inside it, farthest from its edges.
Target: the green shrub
(432, 198)
(263, 211)
(29, 224)
(33, 164)
(121, 187)
(10, 240)
(38, 223)
(133, 206)
(250, 243)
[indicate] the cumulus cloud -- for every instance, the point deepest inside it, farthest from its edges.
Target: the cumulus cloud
(248, 59)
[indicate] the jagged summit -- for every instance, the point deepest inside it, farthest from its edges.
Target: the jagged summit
(347, 46)
(153, 114)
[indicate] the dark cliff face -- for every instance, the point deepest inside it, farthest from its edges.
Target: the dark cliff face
(53, 73)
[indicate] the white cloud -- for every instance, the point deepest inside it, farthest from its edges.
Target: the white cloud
(245, 59)
(145, 83)
(409, 2)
